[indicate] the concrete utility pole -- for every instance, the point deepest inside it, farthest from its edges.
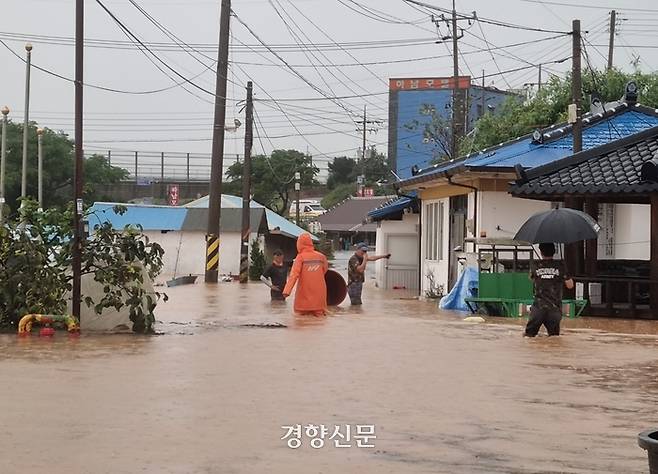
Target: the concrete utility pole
(26, 122)
(246, 186)
(611, 45)
(483, 96)
(539, 79)
(217, 164)
(459, 115)
(79, 157)
(575, 252)
(365, 126)
(577, 87)
(40, 166)
(3, 160)
(456, 98)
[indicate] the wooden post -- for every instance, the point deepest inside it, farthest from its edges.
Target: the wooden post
(574, 253)
(653, 288)
(592, 246)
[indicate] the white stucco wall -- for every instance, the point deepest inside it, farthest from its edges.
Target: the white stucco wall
(632, 229)
(407, 226)
(502, 215)
(193, 250)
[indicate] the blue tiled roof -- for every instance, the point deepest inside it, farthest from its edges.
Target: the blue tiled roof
(558, 143)
(149, 217)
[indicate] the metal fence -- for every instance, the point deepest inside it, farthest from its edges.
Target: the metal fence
(185, 167)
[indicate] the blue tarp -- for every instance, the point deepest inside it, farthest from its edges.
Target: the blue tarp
(462, 289)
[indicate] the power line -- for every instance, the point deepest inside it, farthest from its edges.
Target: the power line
(492, 55)
(580, 5)
(336, 100)
(489, 20)
(210, 48)
(96, 86)
(336, 43)
(133, 37)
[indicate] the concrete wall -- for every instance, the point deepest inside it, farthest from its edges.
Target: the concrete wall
(407, 226)
(632, 230)
(191, 258)
(501, 215)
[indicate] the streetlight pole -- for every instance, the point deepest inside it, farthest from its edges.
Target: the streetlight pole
(298, 187)
(3, 160)
(40, 167)
(28, 66)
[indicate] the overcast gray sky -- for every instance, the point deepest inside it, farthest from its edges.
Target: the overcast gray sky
(143, 122)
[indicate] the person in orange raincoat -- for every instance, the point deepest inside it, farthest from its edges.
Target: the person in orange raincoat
(308, 270)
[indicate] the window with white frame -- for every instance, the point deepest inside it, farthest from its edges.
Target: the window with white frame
(433, 229)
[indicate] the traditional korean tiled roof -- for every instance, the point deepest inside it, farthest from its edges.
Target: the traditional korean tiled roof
(613, 168)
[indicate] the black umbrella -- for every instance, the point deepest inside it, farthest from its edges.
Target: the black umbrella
(561, 226)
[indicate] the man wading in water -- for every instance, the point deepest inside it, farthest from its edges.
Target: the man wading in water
(356, 269)
(277, 273)
(549, 278)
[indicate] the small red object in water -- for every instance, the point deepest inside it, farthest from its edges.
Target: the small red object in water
(46, 332)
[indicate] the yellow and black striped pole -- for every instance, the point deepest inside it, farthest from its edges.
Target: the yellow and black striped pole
(217, 163)
(212, 255)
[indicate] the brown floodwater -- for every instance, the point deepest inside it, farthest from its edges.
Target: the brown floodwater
(210, 395)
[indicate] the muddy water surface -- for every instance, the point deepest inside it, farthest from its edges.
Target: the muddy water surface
(210, 395)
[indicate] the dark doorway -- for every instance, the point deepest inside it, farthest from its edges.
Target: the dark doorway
(458, 212)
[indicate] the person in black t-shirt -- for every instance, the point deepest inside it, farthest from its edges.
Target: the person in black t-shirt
(277, 274)
(549, 278)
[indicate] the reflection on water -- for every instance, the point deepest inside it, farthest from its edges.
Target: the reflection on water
(211, 393)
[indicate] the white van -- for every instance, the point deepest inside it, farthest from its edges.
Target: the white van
(307, 208)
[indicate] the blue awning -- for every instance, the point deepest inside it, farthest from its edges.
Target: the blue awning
(391, 207)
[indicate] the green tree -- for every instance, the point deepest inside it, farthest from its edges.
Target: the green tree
(257, 266)
(338, 194)
(273, 178)
(58, 152)
(99, 171)
(341, 171)
(35, 259)
(376, 166)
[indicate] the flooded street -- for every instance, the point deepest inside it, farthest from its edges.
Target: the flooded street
(210, 395)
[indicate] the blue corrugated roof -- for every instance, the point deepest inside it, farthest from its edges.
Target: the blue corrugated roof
(171, 218)
(147, 216)
(392, 207)
(628, 121)
(275, 222)
(228, 202)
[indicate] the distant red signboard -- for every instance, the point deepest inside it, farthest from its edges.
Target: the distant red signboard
(429, 83)
(174, 195)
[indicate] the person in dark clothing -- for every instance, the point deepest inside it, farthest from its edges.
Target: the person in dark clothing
(549, 278)
(356, 268)
(277, 273)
